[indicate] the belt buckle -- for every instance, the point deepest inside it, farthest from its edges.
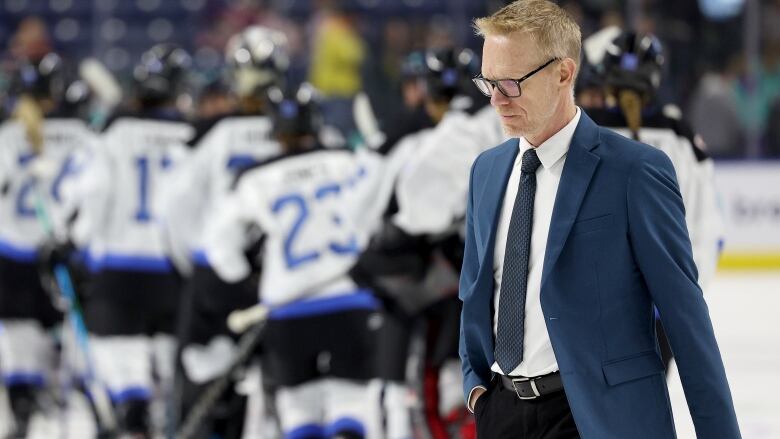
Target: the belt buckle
(532, 382)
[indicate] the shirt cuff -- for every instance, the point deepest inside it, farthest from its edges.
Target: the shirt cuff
(468, 401)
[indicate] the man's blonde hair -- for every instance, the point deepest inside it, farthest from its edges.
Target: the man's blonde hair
(554, 31)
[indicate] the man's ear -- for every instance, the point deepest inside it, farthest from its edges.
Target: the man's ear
(567, 71)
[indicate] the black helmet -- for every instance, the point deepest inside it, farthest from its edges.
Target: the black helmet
(44, 78)
(449, 71)
(160, 73)
(295, 112)
(594, 48)
(256, 59)
(633, 61)
(76, 100)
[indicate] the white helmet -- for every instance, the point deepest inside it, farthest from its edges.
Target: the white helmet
(256, 59)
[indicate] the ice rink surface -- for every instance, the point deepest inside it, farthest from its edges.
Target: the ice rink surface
(745, 310)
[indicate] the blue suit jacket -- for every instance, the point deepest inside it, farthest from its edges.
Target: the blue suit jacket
(618, 244)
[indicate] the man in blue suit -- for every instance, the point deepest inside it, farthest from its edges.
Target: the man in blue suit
(573, 233)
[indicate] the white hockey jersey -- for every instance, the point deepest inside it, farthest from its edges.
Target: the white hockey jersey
(432, 188)
(388, 168)
(119, 220)
(204, 178)
(31, 181)
(308, 207)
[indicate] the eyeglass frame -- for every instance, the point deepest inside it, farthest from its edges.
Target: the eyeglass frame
(494, 82)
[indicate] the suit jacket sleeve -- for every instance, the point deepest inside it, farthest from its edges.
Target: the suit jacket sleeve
(662, 250)
(468, 280)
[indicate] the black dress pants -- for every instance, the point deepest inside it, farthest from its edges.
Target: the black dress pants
(500, 414)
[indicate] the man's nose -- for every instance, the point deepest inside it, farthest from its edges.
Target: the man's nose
(497, 98)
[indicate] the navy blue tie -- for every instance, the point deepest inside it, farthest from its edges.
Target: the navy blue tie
(514, 281)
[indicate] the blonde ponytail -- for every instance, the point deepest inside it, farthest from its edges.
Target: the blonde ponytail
(631, 105)
(29, 113)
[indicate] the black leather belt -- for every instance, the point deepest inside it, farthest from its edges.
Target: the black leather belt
(532, 388)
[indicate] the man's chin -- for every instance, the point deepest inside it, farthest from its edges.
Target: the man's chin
(512, 131)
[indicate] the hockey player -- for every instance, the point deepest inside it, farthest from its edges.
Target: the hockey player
(134, 290)
(629, 65)
(402, 136)
(432, 203)
(256, 59)
(420, 231)
(37, 149)
(412, 116)
(318, 343)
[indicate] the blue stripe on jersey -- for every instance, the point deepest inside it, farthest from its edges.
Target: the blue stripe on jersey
(131, 393)
(237, 162)
(81, 255)
(18, 253)
(361, 299)
(129, 262)
(25, 159)
(306, 431)
(200, 259)
(345, 425)
(35, 379)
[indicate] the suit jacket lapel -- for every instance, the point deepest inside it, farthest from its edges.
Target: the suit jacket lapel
(492, 197)
(577, 173)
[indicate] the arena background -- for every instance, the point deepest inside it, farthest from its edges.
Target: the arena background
(723, 71)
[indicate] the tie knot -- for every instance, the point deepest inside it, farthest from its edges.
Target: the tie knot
(530, 161)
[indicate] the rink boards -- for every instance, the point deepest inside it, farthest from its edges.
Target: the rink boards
(749, 194)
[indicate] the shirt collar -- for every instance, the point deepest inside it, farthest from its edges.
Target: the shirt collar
(554, 148)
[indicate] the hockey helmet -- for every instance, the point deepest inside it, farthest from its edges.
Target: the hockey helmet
(295, 111)
(633, 61)
(44, 78)
(448, 71)
(256, 59)
(160, 73)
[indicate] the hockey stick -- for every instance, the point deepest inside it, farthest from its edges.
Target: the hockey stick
(239, 321)
(252, 320)
(366, 122)
(98, 393)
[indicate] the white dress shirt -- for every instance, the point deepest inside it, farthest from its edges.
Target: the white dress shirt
(538, 357)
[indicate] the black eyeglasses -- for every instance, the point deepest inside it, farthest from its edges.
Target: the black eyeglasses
(508, 87)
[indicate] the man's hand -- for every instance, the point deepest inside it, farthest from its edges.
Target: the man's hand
(475, 396)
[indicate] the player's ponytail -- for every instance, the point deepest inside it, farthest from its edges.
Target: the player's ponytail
(631, 106)
(30, 114)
